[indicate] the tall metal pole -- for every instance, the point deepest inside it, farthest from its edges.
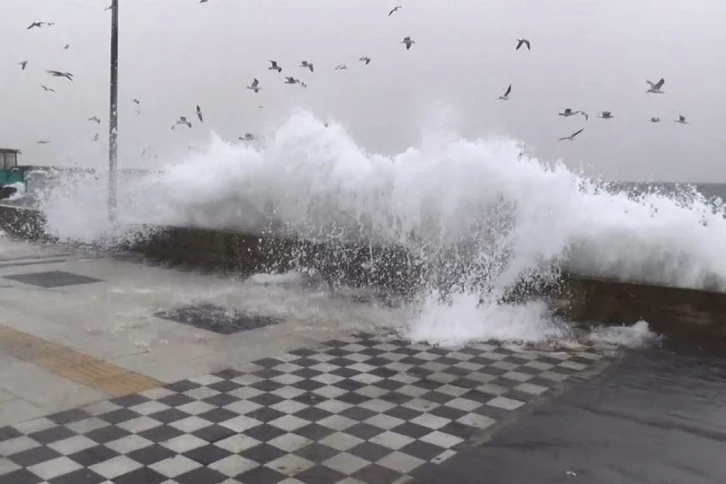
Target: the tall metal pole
(113, 115)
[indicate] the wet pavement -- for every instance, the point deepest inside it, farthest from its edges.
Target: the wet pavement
(130, 383)
(657, 417)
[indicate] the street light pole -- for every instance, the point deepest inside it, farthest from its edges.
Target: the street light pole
(113, 116)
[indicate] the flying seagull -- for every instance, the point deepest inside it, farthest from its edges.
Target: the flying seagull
(367, 60)
(274, 66)
(247, 137)
(606, 115)
(47, 88)
(67, 46)
(39, 24)
(42, 142)
(408, 42)
(182, 120)
(569, 112)
(67, 75)
(291, 80)
(22, 65)
(135, 101)
(255, 86)
(307, 64)
(96, 137)
(572, 136)
(340, 67)
(505, 97)
(656, 87)
(681, 119)
(95, 118)
(521, 42)
(395, 9)
(203, 1)
(199, 113)
(655, 120)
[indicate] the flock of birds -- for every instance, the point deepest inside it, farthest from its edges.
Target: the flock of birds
(255, 86)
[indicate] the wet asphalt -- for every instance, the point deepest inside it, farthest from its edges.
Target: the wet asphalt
(658, 416)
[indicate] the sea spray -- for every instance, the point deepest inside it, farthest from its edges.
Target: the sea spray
(479, 215)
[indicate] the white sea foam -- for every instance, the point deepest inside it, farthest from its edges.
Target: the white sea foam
(509, 217)
(633, 336)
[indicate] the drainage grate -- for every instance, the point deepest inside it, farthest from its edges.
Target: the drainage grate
(216, 318)
(52, 279)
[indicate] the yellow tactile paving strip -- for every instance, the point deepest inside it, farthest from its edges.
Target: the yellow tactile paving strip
(74, 365)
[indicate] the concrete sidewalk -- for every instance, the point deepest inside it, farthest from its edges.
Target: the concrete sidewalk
(114, 370)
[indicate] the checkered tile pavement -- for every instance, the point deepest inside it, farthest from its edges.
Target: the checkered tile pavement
(361, 409)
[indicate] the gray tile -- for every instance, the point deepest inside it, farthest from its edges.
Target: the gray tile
(51, 279)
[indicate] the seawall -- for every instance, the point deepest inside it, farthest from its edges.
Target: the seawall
(583, 299)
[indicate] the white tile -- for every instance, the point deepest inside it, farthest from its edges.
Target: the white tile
(362, 367)
(128, 444)
(72, 445)
(289, 423)
(16, 445)
(196, 408)
(288, 392)
(288, 368)
(430, 421)
(492, 389)
(329, 392)
(327, 378)
(290, 464)
(157, 393)
(371, 391)
(505, 403)
(289, 442)
(377, 405)
(478, 421)
(539, 365)
(324, 367)
(247, 379)
(7, 466)
(54, 468)
(237, 443)
(288, 406)
(400, 462)
(174, 466)
(572, 365)
(147, 408)
(553, 376)
(383, 421)
(245, 392)
(190, 424)
(531, 388)
(420, 404)
(340, 441)
(366, 378)
(139, 424)
(517, 376)
(333, 406)
(452, 390)
(35, 425)
(392, 440)
(206, 379)
(443, 456)
(346, 463)
(337, 422)
(242, 407)
(241, 423)
(100, 408)
(233, 465)
(201, 393)
(287, 379)
(184, 443)
(87, 425)
(442, 439)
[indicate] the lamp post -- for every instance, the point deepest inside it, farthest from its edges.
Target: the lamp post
(113, 116)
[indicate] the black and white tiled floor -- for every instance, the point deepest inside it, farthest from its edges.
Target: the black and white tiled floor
(361, 409)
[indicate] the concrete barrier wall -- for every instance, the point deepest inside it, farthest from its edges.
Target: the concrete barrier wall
(588, 300)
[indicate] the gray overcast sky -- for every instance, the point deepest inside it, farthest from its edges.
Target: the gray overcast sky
(586, 54)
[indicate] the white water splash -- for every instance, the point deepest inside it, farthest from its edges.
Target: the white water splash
(518, 218)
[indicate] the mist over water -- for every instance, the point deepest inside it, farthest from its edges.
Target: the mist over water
(482, 211)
